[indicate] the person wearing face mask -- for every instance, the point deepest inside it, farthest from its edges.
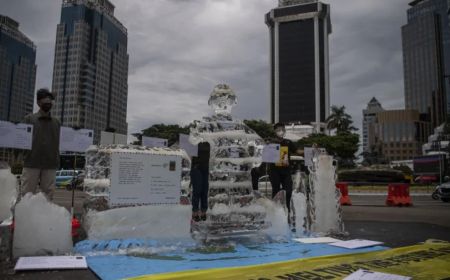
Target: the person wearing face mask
(42, 161)
(280, 173)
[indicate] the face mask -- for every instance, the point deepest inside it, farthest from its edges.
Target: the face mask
(280, 133)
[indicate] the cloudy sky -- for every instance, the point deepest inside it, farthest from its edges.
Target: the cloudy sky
(180, 49)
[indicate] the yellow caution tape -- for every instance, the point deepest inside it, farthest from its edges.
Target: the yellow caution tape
(430, 260)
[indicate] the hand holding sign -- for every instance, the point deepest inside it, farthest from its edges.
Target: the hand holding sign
(271, 153)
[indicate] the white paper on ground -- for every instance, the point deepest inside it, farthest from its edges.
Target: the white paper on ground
(371, 275)
(316, 240)
(54, 262)
(72, 140)
(356, 243)
(271, 153)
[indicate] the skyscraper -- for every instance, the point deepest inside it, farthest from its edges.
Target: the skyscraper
(426, 59)
(369, 121)
(17, 71)
(91, 67)
(299, 31)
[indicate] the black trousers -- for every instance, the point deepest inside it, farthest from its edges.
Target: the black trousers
(255, 178)
(200, 186)
(281, 177)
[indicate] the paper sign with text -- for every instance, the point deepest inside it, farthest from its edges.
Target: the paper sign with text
(153, 142)
(72, 140)
(16, 136)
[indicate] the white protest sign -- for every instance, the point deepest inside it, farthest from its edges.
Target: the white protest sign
(154, 142)
(72, 140)
(185, 144)
(53, 262)
(316, 240)
(372, 275)
(16, 136)
(310, 153)
(109, 138)
(145, 179)
(356, 243)
(271, 153)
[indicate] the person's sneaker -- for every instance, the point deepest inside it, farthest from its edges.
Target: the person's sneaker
(203, 216)
(195, 217)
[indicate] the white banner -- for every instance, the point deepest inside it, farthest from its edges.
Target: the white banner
(310, 153)
(271, 153)
(17, 136)
(152, 142)
(108, 138)
(185, 144)
(145, 179)
(72, 140)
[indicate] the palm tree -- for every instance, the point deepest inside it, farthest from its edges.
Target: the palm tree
(340, 120)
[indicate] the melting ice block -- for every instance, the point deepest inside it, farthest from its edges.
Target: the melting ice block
(325, 197)
(41, 227)
(157, 222)
(8, 193)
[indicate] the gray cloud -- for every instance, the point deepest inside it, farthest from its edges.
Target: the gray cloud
(179, 49)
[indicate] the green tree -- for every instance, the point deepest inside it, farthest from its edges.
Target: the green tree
(170, 132)
(340, 120)
(262, 128)
(342, 146)
(373, 156)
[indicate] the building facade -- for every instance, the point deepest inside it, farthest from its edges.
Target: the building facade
(369, 122)
(17, 71)
(299, 58)
(401, 134)
(90, 75)
(426, 59)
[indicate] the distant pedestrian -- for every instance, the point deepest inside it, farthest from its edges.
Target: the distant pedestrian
(200, 182)
(41, 163)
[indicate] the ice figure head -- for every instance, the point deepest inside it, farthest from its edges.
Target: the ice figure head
(222, 99)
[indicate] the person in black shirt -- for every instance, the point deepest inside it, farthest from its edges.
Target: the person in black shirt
(280, 174)
(200, 182)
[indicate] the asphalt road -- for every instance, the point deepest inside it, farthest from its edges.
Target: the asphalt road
(367, 218)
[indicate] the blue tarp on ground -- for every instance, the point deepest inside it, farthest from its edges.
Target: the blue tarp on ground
(150, 257)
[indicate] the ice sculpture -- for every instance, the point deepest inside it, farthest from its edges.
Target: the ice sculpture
(324, 207)
(156, 222)
(235, 150)
(8, 189)
(41, 227)
(222, 99)
(98, 170)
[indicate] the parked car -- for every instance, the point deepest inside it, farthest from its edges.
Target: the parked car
(64, 177)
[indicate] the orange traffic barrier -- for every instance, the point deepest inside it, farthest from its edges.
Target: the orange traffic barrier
(343, 188)
(398, 195)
